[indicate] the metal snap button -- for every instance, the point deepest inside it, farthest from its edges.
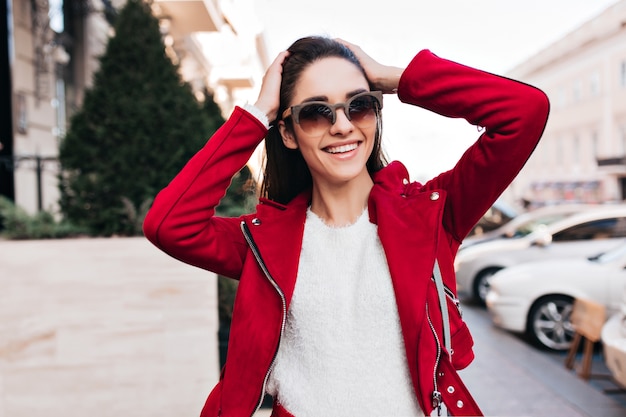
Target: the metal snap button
(256, 221)
(451, 389)
(434, 196)
(459, 404)
(405, 181)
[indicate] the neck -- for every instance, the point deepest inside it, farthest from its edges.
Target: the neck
(341, 204)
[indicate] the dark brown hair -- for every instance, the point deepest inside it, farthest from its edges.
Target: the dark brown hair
(286, 172)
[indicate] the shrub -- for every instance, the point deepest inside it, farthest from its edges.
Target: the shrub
(16, 224)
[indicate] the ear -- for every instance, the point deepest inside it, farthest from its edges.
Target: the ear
(289, 139)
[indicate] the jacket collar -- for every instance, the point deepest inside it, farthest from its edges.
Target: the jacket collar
(391, 181)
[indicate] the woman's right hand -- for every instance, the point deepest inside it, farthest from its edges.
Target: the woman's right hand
(269, 96)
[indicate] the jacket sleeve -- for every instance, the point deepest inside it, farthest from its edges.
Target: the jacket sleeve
(182, 220)
(513, 115)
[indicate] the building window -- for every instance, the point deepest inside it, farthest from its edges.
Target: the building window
(595, 145)
(559, 151)
(561, 97)
(55, 14)
(576, 150)
(544, 154)
(21, 113)
(622, 76)
(594, 84)
(576, 91)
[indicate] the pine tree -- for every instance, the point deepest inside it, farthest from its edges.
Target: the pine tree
(138, 126)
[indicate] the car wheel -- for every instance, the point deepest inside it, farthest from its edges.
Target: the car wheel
(481, 284)
(549, 322)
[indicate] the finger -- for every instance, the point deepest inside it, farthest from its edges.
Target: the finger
(356, 49)
(280, 59)
(345, 42)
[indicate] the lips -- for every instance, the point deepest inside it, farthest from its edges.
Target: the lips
(341, 149)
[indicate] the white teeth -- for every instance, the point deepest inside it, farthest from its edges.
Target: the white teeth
(342, 148)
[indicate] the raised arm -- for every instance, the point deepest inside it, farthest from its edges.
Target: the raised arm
(513, 115)
(182, 220)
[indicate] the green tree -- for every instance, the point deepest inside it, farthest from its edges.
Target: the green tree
(138, 126)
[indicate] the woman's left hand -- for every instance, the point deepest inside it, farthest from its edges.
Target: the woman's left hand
(382, 77)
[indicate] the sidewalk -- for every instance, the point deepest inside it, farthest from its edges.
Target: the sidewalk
(104, 328)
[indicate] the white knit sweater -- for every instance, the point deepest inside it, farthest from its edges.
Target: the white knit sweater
(342, 352)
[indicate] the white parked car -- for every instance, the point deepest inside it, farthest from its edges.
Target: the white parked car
(536, 298)
(614, 343)
(498, 214)
(526, 223)
(584, 234)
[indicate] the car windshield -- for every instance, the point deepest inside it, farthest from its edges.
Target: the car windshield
(536, 224)
(610, 256)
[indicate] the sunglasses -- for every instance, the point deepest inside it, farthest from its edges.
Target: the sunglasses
(318, 116)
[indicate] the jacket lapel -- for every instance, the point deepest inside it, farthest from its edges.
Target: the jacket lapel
(277, 231)
(407, 220)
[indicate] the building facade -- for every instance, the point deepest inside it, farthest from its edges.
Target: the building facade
(51, 55)
(582, 156)
(28, 165)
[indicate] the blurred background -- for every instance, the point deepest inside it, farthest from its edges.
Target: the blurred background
(103, 101)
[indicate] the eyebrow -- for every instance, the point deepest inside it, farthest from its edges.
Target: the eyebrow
(325, 99)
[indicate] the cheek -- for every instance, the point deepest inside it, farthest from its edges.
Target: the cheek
(371, 137)
(305, 145)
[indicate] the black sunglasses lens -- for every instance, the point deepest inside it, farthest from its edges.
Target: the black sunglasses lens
(363, 108)
(315, 116)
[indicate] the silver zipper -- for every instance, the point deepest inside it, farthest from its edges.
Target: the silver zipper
(436, 394)
(257, 255)
(453, 298)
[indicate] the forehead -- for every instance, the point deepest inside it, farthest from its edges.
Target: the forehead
(331, 78)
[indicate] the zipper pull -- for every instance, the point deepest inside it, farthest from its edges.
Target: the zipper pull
(437, 401)
(457, 303)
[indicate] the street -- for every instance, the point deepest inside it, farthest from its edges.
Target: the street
(511, 378)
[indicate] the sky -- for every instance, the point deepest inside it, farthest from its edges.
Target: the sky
(493, 35)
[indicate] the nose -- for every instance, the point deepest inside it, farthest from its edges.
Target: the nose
(342, 125)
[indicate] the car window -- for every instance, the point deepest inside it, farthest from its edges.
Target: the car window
(533, 225)
(613, 227)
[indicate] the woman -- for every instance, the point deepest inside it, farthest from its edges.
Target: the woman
(336, 313)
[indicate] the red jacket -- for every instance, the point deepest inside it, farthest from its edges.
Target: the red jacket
(416, 223)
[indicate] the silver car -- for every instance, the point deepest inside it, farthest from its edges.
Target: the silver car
(584, 234)
(526, 223)
(537, 298)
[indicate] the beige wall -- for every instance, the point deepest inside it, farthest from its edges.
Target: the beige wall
(581, 75)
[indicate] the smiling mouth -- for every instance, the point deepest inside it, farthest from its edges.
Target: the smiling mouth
(342, 148)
